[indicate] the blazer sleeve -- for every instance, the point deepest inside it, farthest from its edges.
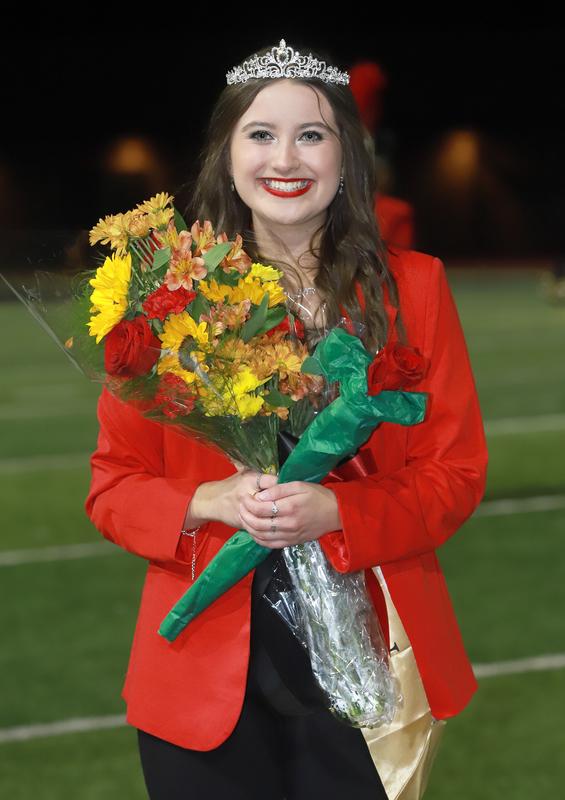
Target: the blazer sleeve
(132, 502)
(430, 476)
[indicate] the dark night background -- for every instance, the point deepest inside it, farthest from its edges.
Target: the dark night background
(69, 101)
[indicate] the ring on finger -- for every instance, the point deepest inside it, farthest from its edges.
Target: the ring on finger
(273, 526)
(259, 481)
(274, 510)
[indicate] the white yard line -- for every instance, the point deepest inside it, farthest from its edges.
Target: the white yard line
(36, 555)
(14, 466)
(520, 665)
(523, 505)
(22, 733)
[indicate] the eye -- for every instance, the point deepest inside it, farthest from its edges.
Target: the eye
(312, 136)
(261, 136)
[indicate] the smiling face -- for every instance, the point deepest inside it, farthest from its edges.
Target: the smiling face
(286, 158)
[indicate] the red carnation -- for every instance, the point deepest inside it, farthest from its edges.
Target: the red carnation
(163, 302)
(282, 326)
(174, 397)
(298, 328)
(131, 349)
(395, 367)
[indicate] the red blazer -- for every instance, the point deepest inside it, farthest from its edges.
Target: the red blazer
(429, 479)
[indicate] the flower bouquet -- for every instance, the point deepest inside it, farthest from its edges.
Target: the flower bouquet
(185, 327)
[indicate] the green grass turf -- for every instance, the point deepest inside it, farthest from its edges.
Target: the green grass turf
(505, 577)
(99, 765)
(516, 341)
(45, 508)
(70, 625)
(67, 626)
(526, 465)
(508, 744)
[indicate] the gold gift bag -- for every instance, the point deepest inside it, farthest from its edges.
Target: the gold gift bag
(404, 751)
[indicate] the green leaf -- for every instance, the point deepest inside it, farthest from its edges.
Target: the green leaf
(274, 317)
(180, 224)
(312, 366)
(200, 305)
(215, 255)
(161, 261)
(229, 278)
(257, 320)
(276, 398)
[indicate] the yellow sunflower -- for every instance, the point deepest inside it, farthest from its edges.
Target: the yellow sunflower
(265, 273)
(252, 288)
(176, 329)
(212, 291)
(170, 363)
(110, 293)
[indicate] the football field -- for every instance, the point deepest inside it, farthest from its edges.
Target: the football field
(69, 600)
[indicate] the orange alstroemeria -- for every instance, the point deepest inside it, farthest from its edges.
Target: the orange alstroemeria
(299, 385)
(231, 317)
(237, 258)
(184, 271)
(203, 237)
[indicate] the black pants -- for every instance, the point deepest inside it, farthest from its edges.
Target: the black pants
(286, 744)
(269, 756)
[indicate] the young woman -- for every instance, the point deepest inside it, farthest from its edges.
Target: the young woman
(289, 166)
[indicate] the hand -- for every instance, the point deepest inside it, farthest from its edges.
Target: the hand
(305, 511)
(220, 501)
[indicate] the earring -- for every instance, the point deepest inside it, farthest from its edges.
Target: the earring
(232, 184)
(341, 184)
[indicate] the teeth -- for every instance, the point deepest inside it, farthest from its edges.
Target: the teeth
(285, 186)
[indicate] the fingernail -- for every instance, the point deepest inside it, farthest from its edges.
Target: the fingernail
(264, 495)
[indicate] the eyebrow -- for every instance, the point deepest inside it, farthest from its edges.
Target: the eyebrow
(270, 126)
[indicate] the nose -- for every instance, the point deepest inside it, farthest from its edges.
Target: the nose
(285, 156)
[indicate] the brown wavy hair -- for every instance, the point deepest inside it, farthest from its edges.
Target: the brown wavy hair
(349, 249)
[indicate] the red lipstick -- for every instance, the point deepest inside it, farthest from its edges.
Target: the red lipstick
(282, 193)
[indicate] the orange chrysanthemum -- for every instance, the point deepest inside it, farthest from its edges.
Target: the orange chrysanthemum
(283, 357)
(156, 203)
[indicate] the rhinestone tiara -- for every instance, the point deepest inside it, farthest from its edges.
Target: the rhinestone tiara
(285, 62)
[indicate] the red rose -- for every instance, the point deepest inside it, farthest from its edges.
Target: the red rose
(131, 349)
(163, 302)
(174, 397)
(395, 367)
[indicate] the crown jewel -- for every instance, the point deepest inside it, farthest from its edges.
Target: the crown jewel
(285, 62)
